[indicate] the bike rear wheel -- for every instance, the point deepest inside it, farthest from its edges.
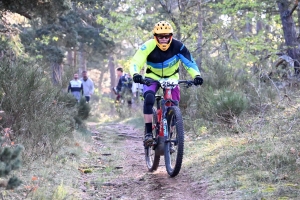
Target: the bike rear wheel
(175, 141)
(152, 160)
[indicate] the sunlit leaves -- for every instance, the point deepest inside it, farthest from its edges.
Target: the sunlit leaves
(55, 38)
(99, 19)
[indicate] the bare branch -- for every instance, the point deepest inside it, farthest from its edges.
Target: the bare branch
(294, 8)
(24, 14)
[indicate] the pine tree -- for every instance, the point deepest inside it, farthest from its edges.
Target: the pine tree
(10, 160)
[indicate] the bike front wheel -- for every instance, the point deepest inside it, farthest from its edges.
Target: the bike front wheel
(152, 160)
(174, 142)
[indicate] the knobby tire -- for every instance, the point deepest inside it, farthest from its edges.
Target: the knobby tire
(152, 160)
(173, 161)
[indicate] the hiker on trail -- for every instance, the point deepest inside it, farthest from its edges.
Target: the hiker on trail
(88, 86)
(123, 89)
(76, 87)
(162, 54)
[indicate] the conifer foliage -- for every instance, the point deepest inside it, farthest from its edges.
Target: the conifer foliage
(10, 160)
(83, 111)
(35, 8)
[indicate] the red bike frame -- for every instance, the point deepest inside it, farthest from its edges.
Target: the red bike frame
(167, 96)
(167, 118)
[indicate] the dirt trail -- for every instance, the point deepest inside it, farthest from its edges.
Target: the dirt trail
(119, 170)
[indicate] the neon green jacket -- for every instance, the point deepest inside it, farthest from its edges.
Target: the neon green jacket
(163, 64)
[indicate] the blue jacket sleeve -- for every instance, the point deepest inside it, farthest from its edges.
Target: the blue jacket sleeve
(189, 62)
(119, 86)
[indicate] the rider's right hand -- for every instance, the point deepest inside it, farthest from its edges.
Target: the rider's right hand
(137, 78)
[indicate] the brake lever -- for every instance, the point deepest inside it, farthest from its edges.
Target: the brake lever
(189, 84)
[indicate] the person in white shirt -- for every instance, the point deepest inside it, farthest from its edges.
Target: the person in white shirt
(88, 86)
(137, 90)
(76, 87)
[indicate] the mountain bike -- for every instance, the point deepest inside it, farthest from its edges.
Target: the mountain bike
(167, 130)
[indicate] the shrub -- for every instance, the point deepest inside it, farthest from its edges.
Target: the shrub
(228, 104)
(220, 75)
(83, 111)
(9, 160)
(38, 117)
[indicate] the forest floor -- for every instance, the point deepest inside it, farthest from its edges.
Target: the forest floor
(105, 160)
(256, 158)
(116, 169)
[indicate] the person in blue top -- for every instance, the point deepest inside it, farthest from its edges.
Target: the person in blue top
(123, 89)
(162, 55)
(76, 87)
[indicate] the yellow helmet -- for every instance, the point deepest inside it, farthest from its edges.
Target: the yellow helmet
(163, 27)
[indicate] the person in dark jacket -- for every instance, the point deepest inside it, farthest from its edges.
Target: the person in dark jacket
(123, 89)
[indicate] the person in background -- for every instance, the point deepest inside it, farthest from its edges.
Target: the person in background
(88, 86)
(76, 87)
(137, 90)
(124, 86)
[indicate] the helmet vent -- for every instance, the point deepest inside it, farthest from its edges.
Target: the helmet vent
(162, 27)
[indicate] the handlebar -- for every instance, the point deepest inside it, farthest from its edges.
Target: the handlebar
(188, 83)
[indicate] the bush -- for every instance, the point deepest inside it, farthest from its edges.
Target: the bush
(219, 76)
(83, 111)
(9, 160)
(37, 115)
(222, 96)
(228, 104)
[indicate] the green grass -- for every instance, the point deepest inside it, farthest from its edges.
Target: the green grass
(259, 162)
(257, 157)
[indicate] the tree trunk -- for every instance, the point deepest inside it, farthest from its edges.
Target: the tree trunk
(259, 26)
(200, 36)
(56, 73)
(111, 67)
(81, 60)
(289, 32)
(248, 26)
(101, 80)
(75, 60)
(298, 14)
(70, 57)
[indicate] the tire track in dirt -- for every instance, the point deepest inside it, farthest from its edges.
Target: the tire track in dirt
(132, 180)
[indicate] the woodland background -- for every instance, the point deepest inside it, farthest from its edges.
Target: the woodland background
(244, 119)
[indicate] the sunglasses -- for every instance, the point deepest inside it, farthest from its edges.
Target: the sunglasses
(163, 36)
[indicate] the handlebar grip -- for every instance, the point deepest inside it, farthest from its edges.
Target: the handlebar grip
(189, 82)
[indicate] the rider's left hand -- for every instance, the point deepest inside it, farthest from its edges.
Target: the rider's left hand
(198, 80)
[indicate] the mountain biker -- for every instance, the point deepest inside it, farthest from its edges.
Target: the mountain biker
(162, 55)
(124, 86)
